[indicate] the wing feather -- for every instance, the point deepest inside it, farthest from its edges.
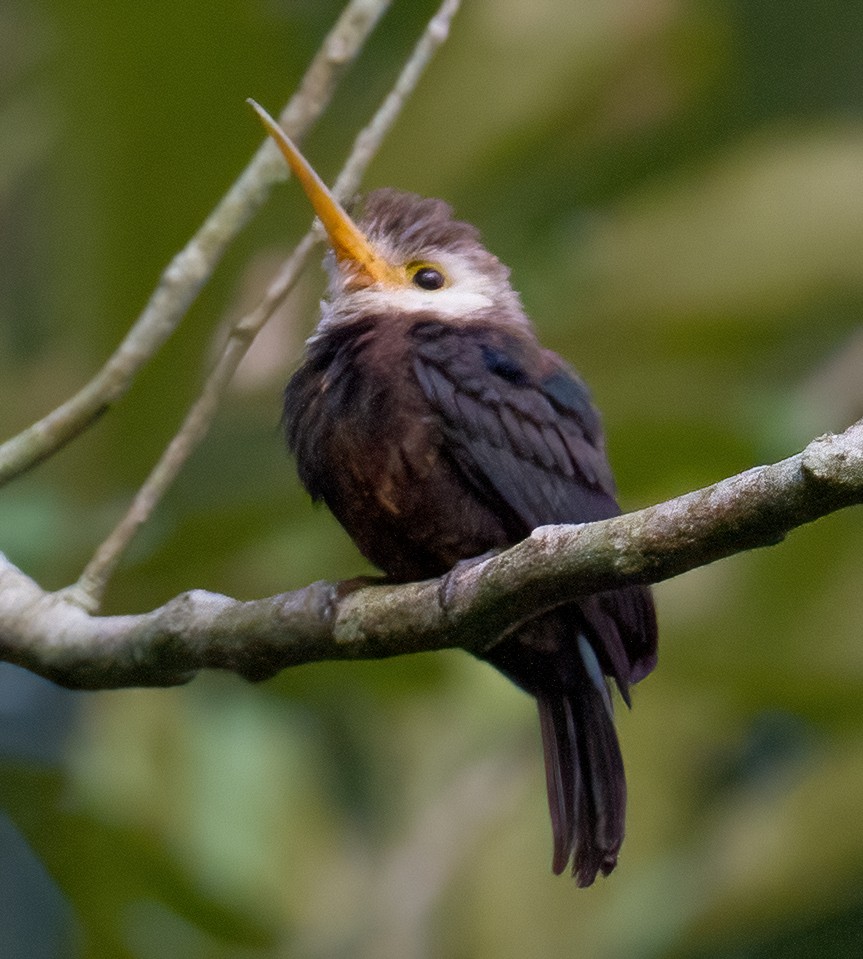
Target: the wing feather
(520, 425)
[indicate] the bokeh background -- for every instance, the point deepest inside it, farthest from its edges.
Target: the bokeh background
(678, 187)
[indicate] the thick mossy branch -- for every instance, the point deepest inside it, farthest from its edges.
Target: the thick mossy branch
(471, 607)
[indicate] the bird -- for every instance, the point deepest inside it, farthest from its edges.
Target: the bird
(433, 424)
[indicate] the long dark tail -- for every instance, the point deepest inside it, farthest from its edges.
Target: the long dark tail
(566, 659)
(584, 774)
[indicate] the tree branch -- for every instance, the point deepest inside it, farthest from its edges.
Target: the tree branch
(190, 269)
(89, 589)
(471, 607)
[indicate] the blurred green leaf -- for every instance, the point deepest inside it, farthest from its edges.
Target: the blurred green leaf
(676, 189)
(106, 870)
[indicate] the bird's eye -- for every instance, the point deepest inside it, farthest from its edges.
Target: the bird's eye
(428, 278)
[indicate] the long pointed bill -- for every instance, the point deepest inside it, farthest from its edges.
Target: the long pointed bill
(349, 243)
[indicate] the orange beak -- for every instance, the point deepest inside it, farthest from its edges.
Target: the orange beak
(349, 243)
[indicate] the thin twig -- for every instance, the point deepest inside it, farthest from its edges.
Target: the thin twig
(190, 269)
(89, 589)
(369, 140)
(471, 607)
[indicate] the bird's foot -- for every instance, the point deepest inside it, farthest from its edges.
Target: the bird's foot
(450, 582)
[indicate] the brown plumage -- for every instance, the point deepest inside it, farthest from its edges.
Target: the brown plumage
(433, 424)
(437, 439)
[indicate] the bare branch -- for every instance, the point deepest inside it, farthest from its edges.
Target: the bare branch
(369, 141)
(471, 607)
(190, 269)
(89, 589)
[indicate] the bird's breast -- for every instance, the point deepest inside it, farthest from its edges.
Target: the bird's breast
(369, 444)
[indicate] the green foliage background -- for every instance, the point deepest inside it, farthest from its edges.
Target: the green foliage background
(678, 187)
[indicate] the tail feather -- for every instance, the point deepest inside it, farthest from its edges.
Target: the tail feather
(559, 778)
(585, 778)
(568, 659)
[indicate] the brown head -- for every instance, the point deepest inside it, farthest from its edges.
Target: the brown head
(405, 253)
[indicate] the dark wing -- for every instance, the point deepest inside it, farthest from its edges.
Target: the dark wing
(519, 424)
(520, 428)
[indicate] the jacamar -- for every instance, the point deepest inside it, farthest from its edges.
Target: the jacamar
(436, 428)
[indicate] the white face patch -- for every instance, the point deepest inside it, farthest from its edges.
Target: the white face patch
(451, 301)
(468, 290)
